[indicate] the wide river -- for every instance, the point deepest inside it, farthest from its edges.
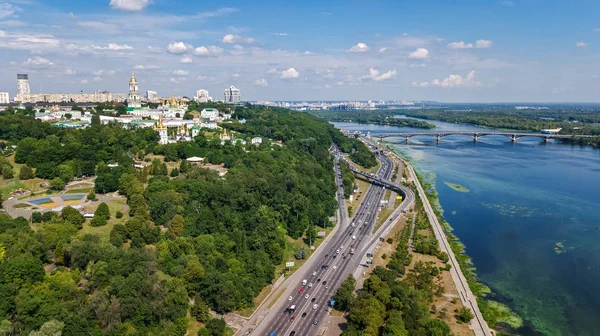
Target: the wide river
(530, 220)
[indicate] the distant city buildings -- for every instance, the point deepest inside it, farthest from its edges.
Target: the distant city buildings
(232, 95)
(152, 96)
(202, 96)
(23, 90)
(133, 99)
(4, 98)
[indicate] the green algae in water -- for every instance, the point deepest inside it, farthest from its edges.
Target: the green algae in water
(457, 187)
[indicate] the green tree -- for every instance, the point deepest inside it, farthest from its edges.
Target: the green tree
(36, 217)
(216, 327)
(91, 196)
(50, 328)
(57, 183)
(73, 216)
(26, 173)
(174, 172)
(344, 296)
(7, 172)
(22, 270)
(176, 227)
(437, 328)
(200, 309)
(102, 211)
(98, 221)
(464, 315)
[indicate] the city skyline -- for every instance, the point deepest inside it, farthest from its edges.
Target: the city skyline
(461, 52)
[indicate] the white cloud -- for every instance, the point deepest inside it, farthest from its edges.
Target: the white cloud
(8, 10)
(178, 48)
(38, 62)
(360, 47)
(272, 71)
(261, 82)
(230, 38)
(208, 51)
(84, 81)
(289, 74)
(186, 60)
(280, 34)
(70, 72)
(129, 5)
(375, 75)
(113, 46)
(460, 45)
(382, 50)
(98, 73)
(99, 27)
(581, 44)
(452, 81)
(97, 79)
(235, 75)
(180, 73)
(206, 78)
(418, 65)
(420, 53)
(2, 33)
(173, 80)
(145, 67)
(483, 44)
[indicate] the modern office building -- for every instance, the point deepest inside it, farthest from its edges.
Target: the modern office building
(152, 96)
(232, 95)
(23, 90)
(202, 96)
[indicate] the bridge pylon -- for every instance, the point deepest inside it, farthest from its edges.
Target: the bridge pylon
(438, 138)
(513, 138)
(475, 137)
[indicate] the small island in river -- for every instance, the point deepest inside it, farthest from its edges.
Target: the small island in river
(457, 187)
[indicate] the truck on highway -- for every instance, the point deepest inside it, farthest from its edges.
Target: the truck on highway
(292, 309)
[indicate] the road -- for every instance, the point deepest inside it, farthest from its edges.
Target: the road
(338, 266)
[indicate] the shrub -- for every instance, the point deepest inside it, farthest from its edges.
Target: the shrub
(91, 196)
(119, 214)
(98, 221)
(390, 240)
(36, 217)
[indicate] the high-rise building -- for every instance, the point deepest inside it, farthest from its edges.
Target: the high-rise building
(232, 95)
(23, 90)
(133, 99)
(152, 96)
(202, 96)
(4, 98)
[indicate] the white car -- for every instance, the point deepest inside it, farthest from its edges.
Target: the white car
(314, 273)
(337, 252)
(315, 306)
(310, 285)
(290, 298)
(334, 267)
(342, 247)
(306, 296)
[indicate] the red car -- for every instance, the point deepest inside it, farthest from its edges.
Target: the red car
(301, 290)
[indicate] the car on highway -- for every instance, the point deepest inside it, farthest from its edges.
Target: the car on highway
(290, 298)
(313, 299)
(325, 283)
(337, 252)
(293, 317)
(293, 333)
(342, 247)
(334, 267)
(306, 296)
(318, 280)
(314, 273)
(315, 322)
(301, 290)
(334, 256)
(310, 285)
(315, 306)
(344, 257)
(304, 314)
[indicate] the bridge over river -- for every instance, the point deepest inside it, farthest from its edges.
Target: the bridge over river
(475, 135)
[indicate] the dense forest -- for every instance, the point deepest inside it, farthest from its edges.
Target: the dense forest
(378, 117)
(195, 242)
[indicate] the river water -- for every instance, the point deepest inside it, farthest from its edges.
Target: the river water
(530, 221)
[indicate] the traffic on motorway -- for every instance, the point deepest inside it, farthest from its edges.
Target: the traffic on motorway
(311, 301)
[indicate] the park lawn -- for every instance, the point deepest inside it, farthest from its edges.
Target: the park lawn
(78, 191)
(104, 231)
(383, 215)
(170, 165)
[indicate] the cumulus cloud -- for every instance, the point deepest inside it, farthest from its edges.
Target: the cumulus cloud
(483, 43)
(177, 48)
(38, 62)
(206, 78)
(180, 73)
(8, 10)
(113, 46)
(186, 60)
(261, 82)
(376, 75)
(70, 72)
(145, 67)
(98, 72)
(581, 44)
(97, 79)
(382, 50)
(420, 53)
(289, 74)
(460, 45)
(208, 51)
(272, 71)
(360, 47)
(480, 44)
(230, 38)
(452, 81)
(84, 81)
(129, 5)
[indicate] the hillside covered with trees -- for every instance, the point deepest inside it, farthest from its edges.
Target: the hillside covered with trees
(194, 241)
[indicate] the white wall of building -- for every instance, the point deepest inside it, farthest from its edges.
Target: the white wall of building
(4, 98)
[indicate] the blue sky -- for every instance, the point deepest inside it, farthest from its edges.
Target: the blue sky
(453, 51)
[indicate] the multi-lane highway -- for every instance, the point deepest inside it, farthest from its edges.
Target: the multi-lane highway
(311, 305)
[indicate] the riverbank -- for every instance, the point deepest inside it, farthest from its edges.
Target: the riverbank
(465, 278)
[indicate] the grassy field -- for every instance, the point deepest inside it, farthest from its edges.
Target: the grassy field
(104, 231)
